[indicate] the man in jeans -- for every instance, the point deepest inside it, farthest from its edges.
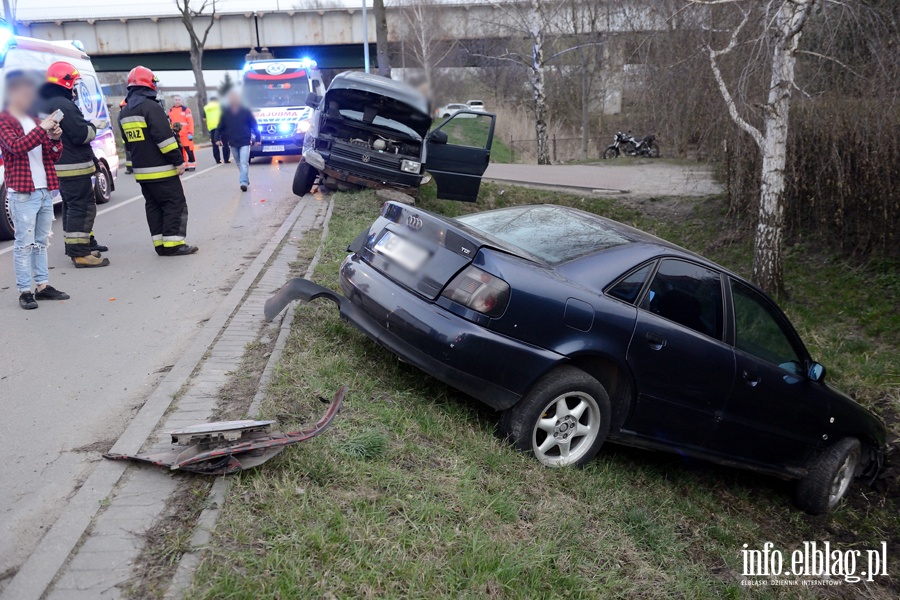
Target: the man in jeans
(30, 148)
(238, 129)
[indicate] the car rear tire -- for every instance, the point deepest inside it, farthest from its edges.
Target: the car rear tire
(304, 177)
(7, 229)
(102, 184)
(562, 421)
(830, 477)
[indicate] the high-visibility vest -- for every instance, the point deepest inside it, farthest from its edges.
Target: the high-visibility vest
(213, 112)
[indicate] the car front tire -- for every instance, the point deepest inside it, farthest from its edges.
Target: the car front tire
(830, 477)
(304, 177)
(562, 421)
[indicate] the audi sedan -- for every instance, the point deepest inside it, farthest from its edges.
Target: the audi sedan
(581, 330)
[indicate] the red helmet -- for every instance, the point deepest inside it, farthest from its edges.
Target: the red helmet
(64, 74)
(142, 77)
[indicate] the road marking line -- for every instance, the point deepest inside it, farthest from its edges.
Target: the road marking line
(130, 200)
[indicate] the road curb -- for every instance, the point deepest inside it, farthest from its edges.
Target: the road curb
(206, 523)
(37, 573)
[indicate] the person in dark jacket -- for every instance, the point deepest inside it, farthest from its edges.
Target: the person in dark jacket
(157, 162)
(76, 167)
(239, 130)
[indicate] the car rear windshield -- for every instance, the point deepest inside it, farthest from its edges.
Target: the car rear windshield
(549, 233)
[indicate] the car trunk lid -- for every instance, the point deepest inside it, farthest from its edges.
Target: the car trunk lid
(417, 249)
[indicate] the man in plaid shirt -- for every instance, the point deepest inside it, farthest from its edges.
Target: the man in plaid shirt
(30, 148)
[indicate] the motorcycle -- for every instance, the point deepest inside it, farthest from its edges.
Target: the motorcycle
(628, 145)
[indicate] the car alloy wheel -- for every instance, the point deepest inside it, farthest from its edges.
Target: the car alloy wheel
(566, 430)
(563, 420)
(843, 477)
(829, 477)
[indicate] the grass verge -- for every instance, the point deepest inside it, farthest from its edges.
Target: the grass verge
(412, 495)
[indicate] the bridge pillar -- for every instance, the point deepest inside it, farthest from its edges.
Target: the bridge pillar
(613, 74)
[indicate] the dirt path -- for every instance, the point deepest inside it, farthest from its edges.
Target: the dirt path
(638, 178)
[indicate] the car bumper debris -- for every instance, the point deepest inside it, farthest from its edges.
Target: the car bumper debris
(227, 447)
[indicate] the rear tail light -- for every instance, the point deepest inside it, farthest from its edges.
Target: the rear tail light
(480, 291)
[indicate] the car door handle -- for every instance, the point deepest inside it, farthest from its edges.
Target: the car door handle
(751, 379)
(655, 341)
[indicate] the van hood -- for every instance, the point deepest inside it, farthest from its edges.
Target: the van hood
(371, 98)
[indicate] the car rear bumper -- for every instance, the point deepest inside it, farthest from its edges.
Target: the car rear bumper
(495, 369)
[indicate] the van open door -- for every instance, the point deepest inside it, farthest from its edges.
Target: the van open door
(458, 152)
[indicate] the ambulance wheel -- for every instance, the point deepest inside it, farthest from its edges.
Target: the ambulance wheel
(304, 177)
(102, 184)
(7, 230)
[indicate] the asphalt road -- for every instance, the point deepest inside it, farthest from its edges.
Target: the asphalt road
(73, 373)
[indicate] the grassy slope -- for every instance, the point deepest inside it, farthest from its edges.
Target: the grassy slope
(411, 494)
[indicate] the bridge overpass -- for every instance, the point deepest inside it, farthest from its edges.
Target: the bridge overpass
(152, 32)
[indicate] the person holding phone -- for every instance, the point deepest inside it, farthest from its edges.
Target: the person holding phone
(76, 167)
(30, 148)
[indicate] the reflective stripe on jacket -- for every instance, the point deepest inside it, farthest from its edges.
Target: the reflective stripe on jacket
(148, 136)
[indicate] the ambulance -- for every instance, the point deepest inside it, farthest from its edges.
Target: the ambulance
(276, 92)
(19, 53)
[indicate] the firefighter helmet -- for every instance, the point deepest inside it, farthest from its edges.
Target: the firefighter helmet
(142, 77)
(63, 74)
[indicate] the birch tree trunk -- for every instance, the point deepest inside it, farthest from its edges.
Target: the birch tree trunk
(537, 82)
(784, 33)
(768, 269)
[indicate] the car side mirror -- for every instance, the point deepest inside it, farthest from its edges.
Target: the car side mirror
(312, 100)
(438, 137)
(816, 372)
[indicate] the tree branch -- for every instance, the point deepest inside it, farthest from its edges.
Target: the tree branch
(832, 59)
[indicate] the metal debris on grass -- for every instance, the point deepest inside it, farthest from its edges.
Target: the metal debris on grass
(226, 447)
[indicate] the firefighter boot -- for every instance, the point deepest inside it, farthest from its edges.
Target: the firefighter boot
(89, 262)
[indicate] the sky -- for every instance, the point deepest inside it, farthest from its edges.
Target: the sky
(36, 9)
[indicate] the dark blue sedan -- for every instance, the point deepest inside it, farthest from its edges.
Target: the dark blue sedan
(581, 330)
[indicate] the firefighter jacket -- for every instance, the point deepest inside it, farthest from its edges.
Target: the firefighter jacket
(182, 114)
(148, 136)
(78, 133)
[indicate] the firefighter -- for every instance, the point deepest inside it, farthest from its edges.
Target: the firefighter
(181, 114)
(157, 162)
(76, 167)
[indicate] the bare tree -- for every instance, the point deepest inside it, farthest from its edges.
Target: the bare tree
(424, 38)
(381, 39)
(198, 34)
(779, 26)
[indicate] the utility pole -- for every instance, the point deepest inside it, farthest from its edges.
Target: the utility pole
(365, 36)
(9, 15)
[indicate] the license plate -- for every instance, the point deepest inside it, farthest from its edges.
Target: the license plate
(402, 251)
(273, 148)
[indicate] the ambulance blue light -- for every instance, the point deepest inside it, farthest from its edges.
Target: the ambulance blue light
(78, 45)
(307, 63)
(7, 41)
(285, 127)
